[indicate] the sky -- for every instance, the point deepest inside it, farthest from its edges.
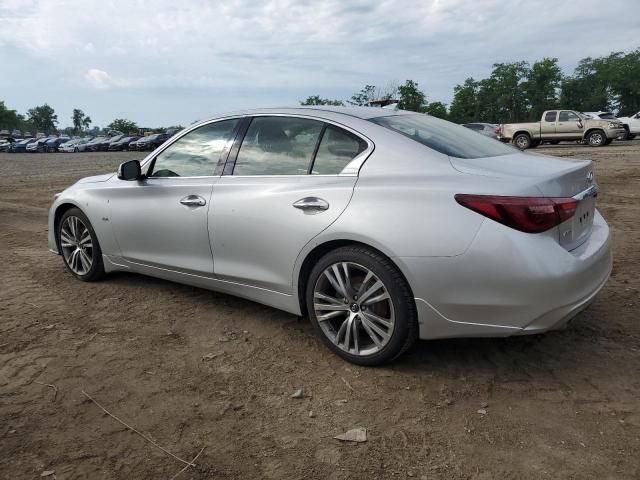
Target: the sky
(168, 62)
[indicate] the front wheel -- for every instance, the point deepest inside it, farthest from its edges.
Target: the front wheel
(596, 139)
(79, 245)
(361, 305)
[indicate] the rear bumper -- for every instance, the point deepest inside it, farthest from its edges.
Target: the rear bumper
(508, 283)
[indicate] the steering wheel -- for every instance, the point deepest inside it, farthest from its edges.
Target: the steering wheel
(165, 173)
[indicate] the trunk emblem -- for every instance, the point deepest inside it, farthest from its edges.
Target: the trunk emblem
(590, 177)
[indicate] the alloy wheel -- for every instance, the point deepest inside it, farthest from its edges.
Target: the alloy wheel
(353, 308)
(77, 245)
(595, 139)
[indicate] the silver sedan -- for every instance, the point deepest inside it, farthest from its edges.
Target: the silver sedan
(383, 226)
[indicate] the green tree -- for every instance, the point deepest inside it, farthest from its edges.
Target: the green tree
(317, 100)
(364, 96)
(504, 91)
(411, 97)
(588, 89)
(43, 118)
(123, 125)
(542, 85)
(464, 106)
(80, 120)
(9, 119)
(437, 109)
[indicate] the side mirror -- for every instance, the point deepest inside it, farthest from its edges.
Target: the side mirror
(637, 115)
(130, 170)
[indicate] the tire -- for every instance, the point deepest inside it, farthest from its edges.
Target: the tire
(522, 141)
(350, 318)
(75, 150)
(75, 263)
(596, 138)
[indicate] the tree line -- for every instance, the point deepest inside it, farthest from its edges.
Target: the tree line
(519, 91)
(43, 119)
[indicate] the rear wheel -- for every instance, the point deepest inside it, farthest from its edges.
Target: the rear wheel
(79, 246)
(597, 138)
(361, 306)
(522, 141)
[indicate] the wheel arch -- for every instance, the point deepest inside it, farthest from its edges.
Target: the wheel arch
(521, 132)
(57, 215)
(321, 249)
(593, 129)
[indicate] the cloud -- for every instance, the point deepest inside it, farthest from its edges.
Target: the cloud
(98, 78)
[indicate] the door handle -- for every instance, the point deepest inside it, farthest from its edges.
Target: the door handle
(193, 201)
(309, 204)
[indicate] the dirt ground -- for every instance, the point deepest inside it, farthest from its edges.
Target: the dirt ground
(194, 369)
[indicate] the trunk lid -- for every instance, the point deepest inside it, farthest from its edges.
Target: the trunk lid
(553, 177)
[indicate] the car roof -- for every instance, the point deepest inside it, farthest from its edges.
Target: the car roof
(364, 113)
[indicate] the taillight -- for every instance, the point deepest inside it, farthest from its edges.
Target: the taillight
(498, 131)
(527, 214)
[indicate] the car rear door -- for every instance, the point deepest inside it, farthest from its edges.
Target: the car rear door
(161, 221)
(286, 180)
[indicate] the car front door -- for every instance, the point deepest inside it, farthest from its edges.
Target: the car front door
(283, 184)
(570, 126)
(161, 221)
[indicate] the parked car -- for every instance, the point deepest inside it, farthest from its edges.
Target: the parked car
(384, 226)
(488, 129)
(21, 146)
(72, 145)
(82, 145)
(103, 146)
(122, 144)
(39, 146)
(94, 145)
(560, 126)
(152, 141)
(631, 125)
(5, 145)
(52, 144)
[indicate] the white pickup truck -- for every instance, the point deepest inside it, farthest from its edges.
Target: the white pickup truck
(631, 125)
(561, 126)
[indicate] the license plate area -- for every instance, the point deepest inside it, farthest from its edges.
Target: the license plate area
(576, 230)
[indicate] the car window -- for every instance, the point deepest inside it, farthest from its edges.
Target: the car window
(568, 117)
(337, 148)
(278, 146)
(474, 126)
(196, 154)
(550, 117)
(444, 137)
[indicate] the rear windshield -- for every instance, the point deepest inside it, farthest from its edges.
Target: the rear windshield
(444, 137)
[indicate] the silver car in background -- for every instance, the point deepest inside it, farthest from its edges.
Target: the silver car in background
(383, 226)
(488, 129)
